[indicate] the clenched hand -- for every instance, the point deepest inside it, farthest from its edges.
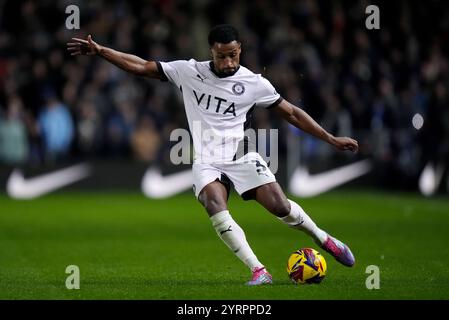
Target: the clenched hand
(345, 143)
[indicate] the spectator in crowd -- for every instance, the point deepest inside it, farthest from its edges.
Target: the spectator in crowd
(89, 128)
(56, 127)
(13, 135)
(145, 140)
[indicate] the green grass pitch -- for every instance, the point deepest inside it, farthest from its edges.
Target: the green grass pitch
(130, 247)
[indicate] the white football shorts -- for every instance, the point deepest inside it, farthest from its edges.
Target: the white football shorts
(246, 173)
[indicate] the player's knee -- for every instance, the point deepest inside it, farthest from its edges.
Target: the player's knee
(280, 207)
(213, 204)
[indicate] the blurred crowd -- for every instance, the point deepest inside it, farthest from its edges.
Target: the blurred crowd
(388, 88)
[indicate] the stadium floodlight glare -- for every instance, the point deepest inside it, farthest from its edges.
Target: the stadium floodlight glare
(417, 121)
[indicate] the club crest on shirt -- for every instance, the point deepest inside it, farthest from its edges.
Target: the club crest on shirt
(238, 88)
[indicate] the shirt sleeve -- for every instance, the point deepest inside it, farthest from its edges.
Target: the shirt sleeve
(171, 71)
(267, 97)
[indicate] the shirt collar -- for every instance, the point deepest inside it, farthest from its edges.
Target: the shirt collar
(222, 75)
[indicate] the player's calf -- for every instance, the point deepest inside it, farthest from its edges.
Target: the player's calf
(299, 219)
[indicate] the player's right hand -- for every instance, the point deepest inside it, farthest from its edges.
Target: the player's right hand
(83, 47)
(345, 143)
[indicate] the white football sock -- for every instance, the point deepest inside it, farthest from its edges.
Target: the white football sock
(298, 219)
(234, 237)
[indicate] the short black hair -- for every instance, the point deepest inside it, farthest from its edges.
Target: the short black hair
(223, 33)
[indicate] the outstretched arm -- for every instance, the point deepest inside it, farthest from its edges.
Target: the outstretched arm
(303, 121)
(127, 62)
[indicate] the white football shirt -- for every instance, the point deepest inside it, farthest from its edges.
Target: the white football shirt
(218, 108)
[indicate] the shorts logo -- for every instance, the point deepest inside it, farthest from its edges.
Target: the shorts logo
(260, 168)
(238, 89)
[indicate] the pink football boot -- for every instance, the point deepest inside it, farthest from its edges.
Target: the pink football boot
(339, 251)
(260, 277)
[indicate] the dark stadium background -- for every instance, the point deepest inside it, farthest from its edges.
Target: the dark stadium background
(363, 83)
(367, 84)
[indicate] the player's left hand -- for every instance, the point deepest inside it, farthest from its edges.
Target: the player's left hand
(345, 143)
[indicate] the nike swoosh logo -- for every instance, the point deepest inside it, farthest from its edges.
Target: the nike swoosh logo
(430, 179)
(18, 187)
(302, 184)
(156, 186)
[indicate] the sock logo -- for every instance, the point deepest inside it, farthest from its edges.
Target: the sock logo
(224, 231)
